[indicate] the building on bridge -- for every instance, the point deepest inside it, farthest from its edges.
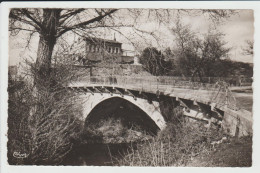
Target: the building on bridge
(97, 50)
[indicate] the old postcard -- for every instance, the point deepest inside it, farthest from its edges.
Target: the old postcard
(160, 85)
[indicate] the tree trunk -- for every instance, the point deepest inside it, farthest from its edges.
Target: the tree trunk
(45, 48)
(43, 62)
(42, 70)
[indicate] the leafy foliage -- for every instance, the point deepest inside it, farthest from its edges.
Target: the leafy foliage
(196, 56)
(154, 62)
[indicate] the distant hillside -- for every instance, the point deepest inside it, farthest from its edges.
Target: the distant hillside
(241, 69)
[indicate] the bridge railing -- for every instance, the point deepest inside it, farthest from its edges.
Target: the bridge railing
(232, 81)
(217, 92)
(153, 81)
(188, 82)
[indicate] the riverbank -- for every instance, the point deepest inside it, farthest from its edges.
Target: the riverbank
(192, 145)
(244, 100)
(232, 153)
(183, 143)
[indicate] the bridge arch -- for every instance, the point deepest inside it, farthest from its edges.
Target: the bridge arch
(152, 109)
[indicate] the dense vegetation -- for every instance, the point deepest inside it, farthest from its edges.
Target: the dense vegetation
(194, 55)
(173, 146)
(157, 63)
(186, 142)
(42, 137)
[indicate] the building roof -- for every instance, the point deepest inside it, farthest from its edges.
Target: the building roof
(98, 40)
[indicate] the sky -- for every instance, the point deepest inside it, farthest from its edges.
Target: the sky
(237, 29)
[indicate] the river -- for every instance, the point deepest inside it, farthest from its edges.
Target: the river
(97, 154)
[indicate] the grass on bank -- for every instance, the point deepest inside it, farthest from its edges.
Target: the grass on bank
(189, 144)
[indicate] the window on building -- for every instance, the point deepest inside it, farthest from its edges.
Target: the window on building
(116, 50)
(109, 49)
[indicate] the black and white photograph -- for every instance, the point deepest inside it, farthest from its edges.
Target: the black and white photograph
(137, 87)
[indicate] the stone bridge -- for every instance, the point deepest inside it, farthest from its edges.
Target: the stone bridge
(208, 102)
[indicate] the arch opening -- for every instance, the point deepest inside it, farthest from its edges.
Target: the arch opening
(114, 113)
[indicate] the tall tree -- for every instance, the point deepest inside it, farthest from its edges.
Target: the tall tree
(51, 24)
(196, 55)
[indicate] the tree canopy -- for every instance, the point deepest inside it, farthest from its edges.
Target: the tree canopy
(154, 62)
(196, 55)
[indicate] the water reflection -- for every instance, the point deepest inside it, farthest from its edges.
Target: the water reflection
(97, 154)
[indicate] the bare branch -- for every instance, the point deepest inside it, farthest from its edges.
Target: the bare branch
(71, 13)
(29, 39)
(249, 49)
(27, 14)
(18, 18)
(19, 28)
(83, 24)
(65, 16)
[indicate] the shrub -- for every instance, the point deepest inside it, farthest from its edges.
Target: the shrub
(42, 124)
(173, 146)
